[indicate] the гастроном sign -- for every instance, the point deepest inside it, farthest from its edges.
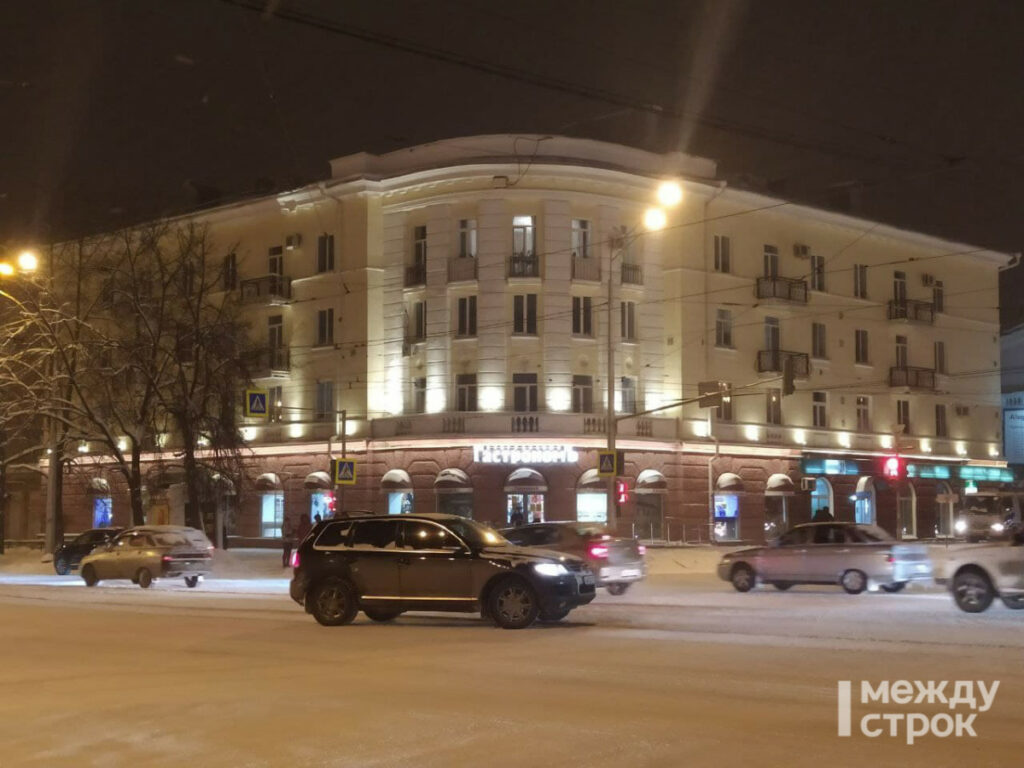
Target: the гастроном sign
(525, 454)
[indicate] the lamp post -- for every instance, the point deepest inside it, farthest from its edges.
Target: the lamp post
(669, 194)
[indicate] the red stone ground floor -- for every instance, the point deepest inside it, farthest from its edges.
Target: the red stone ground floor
(675, 495)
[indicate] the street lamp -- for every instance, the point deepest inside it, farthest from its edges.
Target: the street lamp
(669, 194)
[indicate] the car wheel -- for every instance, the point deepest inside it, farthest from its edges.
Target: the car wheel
(191, 581)
(144, 578)
(742, 577)
(61, 565)
(617, 588)
(782, 586)
(972, 591)
(894, 587)
(1015, 603)
(854, 581)
(381, 614)
(550, 617)
(333, 602)
(89, 576)
(513, 603)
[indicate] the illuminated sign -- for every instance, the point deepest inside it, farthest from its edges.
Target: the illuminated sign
(830, 467)
(945, 472)
(525, 454)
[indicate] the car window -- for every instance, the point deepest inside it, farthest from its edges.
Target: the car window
(140, 541)
(520, 536)
(867, 534)
(547, 537)
(375, 534)
(333, 535)
(171, 540)
(794, 537)
(420, 534)
(829, 534)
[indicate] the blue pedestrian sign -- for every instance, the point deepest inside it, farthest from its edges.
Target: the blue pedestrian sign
(256, 403)
(344, 471)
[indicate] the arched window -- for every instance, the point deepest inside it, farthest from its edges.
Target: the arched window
(943, 509)
(821, 498)
(864, 501)
(906, 512)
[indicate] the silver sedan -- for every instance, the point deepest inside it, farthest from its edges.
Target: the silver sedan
(856, 557)
(149, 552)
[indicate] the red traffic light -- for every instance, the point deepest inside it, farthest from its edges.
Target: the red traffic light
(894, 468)
(621, 491)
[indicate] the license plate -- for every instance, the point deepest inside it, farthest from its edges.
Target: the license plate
(628, 573)
(588, 579)
(922, 568)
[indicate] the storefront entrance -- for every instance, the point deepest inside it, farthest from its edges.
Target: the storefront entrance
(524, 497)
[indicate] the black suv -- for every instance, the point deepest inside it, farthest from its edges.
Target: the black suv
(387, 565)
(70, 553)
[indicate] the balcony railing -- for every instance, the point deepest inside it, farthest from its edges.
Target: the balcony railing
(524, 265)
(461, 269)
(785, 288)
(273, 361)
(632, 274)
(415, 274)
(585, 269)
(770, 361)
(498, 425)
(269, 289)
(912, 310)
(915, 378)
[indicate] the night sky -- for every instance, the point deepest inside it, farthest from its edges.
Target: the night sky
(118, 110)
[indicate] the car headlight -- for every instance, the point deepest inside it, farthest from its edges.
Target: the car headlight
(550, 569)
(961, 526)
(998, 527)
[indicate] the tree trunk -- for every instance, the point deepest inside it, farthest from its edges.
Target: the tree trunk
(135, 485)
(193, 514)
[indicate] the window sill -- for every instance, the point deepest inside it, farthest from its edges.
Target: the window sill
(525, 335)
(864, 365)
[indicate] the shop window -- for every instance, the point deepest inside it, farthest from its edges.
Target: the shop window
(102, 512)
(271, 514)
(727, 517)
(821, 497)
(776, 516)
(906, 513)
(400, 503)
(321, 503)
(527, 507)
(592, 507)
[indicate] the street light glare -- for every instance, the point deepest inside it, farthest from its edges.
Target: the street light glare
(27, 261)
(654, 219)
(6, 270)
(670, 193)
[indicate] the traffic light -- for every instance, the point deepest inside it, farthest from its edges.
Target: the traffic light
(894, 468)
(788, 373)
(621, 491)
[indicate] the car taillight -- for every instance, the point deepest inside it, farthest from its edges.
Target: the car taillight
(294, 559)
(598, 550)
(641, 549)
(889, 557)
(167, 558)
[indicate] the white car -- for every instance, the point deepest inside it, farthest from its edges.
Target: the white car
(976, 575)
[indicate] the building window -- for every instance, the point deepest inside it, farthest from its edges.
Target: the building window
(903, 415)
(325, 327)
(941, 429)
(581, 238)
(818, 348)
(819, 409)
(467, 316)
(860, 281)
(275, 334)
(465, 392)
(467, 238)
(325, 253)
(771, 261)
(417, 330)
(523, 235)
(582, 316)
(419, 395)
(773, 406)
(772, 333)
(901, 351)
(723, 328)
(938, 297)
(524, 314)
(860, 347)
(817, 273)
(628, 320)
(723, 412)
(582, 394)
(863, 413)
(940, 357)
(229, 272)
(899, 287)
(271, 514)
(324, 407)
(275, 404)
(723, 257)
(419, 247)
(524, 392)
(628, 394)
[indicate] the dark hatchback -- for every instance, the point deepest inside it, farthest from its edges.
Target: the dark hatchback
(70, 553)
(387, 565)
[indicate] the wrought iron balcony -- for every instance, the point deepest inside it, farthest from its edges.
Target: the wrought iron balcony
(770, 361)
(632, 274)
(914, 378)
(461, 269)
(585, 269)
(415, 274)
(525, 264)
(785, 288)
(912, 310)
(272, 361)
(269, 289)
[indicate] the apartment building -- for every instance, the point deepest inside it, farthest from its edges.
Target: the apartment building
(440, 314)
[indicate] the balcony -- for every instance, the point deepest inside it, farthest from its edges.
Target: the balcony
(785, 288)
(415, 275)
(273, 361)
(770, 361)
(586, 269)
(269, 289)
(524, 265)
(912, 310)
(632, 274)
(461, 269)
(913, 378)
(499, 425)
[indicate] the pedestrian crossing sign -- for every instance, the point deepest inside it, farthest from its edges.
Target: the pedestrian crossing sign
(344, 471)
(256, 403)
(606, 464)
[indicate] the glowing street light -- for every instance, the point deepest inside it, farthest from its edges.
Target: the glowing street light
(670, 193)
(6, 270)
(654, 219)
(28, 261)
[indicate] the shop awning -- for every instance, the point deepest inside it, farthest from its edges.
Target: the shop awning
(317, 481)
(99, 486)
(452, 480)
(526, 481)
(268, 481)
(396, 481)
(651, 481)
(223, 484)
(779, 485)
(729, 482)
(590, 482)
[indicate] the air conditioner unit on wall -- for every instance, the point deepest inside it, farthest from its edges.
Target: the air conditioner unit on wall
(291, 242)
(801, 251)
(927, 280)
(808, 483)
